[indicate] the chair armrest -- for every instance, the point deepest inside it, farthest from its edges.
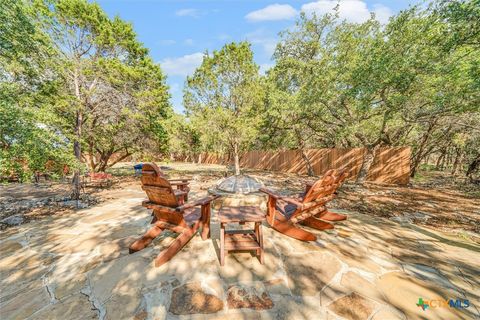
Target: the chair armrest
(200, 202)
(175, 183)
(292, 201)
(276, 196)
(179, 180)
(180, 192)
(270, 193)
(150, 205)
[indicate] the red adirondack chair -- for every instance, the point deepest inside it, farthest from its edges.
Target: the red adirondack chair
(170, 212)
(284, 214)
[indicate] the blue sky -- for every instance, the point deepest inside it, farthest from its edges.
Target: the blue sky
(178, 32)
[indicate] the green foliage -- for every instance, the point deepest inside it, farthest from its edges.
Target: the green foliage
(223, 97)
(411, 82)
(27, 145)
(184, 138)
(28, 142)
(73, 78)
(414, 81)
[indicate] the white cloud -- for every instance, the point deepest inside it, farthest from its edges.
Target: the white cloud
(382, 13)
(272, 12)
(189, 12)
(182, 66)
(350, 10)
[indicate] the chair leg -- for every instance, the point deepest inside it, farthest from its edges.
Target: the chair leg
(174, 247)
(289, 229)
(331, 216)
(222, 244)
(145, 240)
(205, 222)
(316, 224)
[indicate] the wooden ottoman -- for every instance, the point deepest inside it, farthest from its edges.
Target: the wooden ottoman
(241, 240)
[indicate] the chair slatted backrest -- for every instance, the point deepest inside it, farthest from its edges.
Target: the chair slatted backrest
(325, 186)
(158, 189)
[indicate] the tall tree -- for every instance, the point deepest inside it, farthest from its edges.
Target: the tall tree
(223, 97)
(109, 83)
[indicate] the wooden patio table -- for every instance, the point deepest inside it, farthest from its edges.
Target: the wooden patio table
(241, 240)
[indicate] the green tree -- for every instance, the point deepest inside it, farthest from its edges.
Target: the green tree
(27, 141)
(184, 139)
(367, 85)
(109, 85)
(222, 99)
(128, 115)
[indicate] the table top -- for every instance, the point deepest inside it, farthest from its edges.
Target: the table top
(241, 214)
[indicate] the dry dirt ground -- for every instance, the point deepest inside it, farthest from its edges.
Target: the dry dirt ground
(435, 201)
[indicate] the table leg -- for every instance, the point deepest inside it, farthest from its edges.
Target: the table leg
(222, 244)
(260, 241)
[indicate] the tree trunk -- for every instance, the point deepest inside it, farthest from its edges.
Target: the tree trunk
(448, 159)
(420, 154)
(438, 165)
(301, 145)
(472, 168)
(305, 158)
(78, 154)
(104, 162)
(457, 161)
(367, 163)
(237, 159)
(76, 143)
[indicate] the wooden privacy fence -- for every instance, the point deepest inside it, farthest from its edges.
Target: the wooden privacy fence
(390, 165)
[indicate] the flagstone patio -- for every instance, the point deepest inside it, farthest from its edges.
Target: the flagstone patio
(77, 266)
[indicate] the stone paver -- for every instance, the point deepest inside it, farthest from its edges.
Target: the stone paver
(77, 266)
(191, 299)
(352, 307)
(25, 303)
(308, 274)
(75, 307)
(252, 297)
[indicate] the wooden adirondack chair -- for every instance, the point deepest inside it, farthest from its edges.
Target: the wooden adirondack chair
(285, 213)
(170, 212)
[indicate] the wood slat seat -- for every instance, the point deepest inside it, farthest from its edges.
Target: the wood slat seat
(286, 208)
(192, 214)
